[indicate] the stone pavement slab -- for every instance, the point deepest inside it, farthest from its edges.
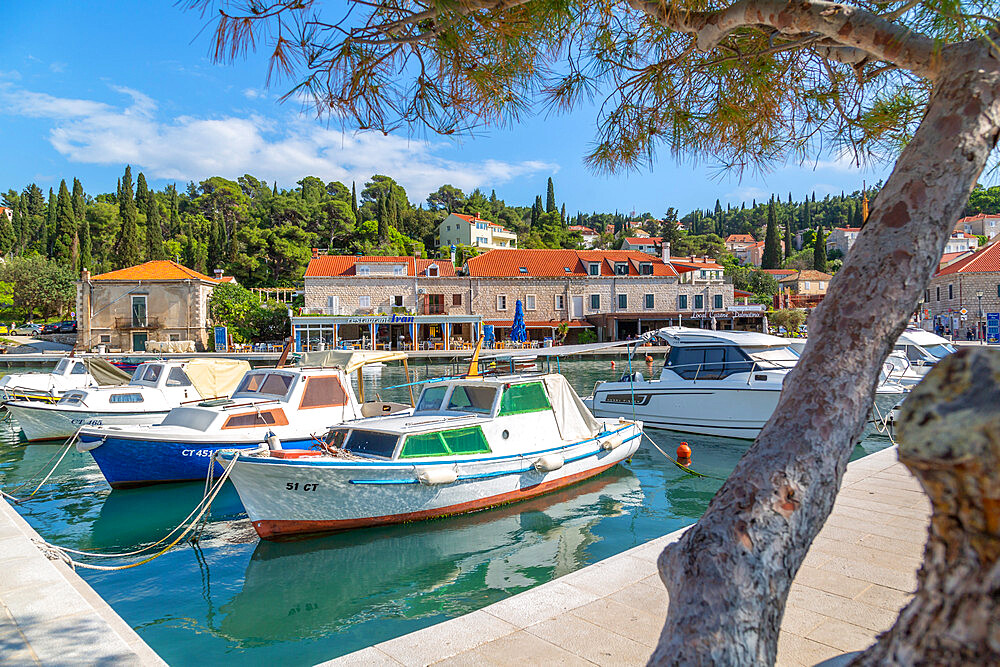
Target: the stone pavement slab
(49, 615)
(860, 571)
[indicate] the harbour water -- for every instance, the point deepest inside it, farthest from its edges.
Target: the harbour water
(230, 596)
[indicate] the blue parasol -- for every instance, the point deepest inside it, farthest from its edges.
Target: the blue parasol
(489, 338)
(518, 333)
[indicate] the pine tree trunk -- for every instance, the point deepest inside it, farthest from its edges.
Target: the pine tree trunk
(949, 438)
(728, 577)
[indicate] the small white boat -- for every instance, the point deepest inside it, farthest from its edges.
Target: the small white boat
(297, 405)
(156, 388)
(70, 373)
(915, 353)
(723, 383)
(471, 443)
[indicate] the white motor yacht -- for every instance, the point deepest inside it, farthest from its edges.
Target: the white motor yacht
(70, 373)
(723, 383)
(915, 353)
(156, 388)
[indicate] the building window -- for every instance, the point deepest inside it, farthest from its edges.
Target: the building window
(939, 293)
(501, 302)
(595, 269)
(138, 311)
(106, 338)
(529, 301)
(699, 301)
(456, 299)
(623, 301)
(432, 271)
(365, 301)
(364, 270)
(648, 301)
(621, 269)
(646, 269)
(819, 285)
(701, 274)
(397, 270)
(595, 301)
(927, 294)
(397, 301)
(951, 292)
(435, 304)
(682, 301)
(561, 300)
(806, 284)
(175, 337)
(717, 302)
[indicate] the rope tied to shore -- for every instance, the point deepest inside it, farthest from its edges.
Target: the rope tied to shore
(61, 453)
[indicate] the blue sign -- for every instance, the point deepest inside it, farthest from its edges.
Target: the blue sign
(993, 328)
(221, 339)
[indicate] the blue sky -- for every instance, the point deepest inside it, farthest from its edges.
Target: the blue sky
(87, 87)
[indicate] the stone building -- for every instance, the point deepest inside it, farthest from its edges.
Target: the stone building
(156, 301)
(842, 238)
(979, 225)
(958, 285)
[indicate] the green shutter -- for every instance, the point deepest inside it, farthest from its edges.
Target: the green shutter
(446, 443)
(521, 398)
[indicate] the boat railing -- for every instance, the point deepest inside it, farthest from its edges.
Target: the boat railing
(749, 367)
(249, 404)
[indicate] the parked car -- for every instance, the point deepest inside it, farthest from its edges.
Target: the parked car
(50, 328)
(69, 326)
(28, 329)
(4, 330)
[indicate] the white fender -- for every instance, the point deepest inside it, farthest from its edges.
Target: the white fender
(82, 446)
(613, 442)
(549, 463)
(436, 475)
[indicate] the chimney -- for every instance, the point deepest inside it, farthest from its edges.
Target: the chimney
(704, 258)
(665, 252)
(315, 253)
(85, 275)
(218, 274)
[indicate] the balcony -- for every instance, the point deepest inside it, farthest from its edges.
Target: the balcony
(128, 323)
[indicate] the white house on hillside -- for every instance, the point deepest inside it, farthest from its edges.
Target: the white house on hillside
(471, 230)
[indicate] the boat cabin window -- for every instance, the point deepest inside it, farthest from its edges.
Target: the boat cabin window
(365, 442)
(147, 374)
(708, 363)
(125, 398)
(323, 392)
(178, 378)
(520, 398)
(469, 398)
(939, 351)
(272, 384)
(432, 397)
(61, 367)
(446, 443)
(257, 418)
(72, 398)
(78, 369)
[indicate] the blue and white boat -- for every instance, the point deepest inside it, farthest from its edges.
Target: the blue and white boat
(297, 405)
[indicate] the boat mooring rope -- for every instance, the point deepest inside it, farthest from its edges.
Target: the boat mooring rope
(188, 524)
(60, 453)
(881, 423)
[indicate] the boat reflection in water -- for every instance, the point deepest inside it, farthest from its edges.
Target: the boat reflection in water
(420, 571)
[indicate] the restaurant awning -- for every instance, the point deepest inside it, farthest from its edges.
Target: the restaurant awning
(540, 324)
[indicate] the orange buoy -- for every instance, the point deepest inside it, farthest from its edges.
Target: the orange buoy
(612, 363)
(684, 454)
(649, 358)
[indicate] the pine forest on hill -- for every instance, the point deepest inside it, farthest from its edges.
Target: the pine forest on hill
(263, 235)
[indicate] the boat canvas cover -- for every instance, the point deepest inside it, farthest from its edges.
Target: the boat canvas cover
(348, 360)
(215, 378)
(105, 373)
(574, 420)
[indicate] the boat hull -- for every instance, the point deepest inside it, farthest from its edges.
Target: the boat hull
(40, 421)
(287, 498)
(128, 463)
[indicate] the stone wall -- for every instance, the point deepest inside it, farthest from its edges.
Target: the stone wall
(964, 287)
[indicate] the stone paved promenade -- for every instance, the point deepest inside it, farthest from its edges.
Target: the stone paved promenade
(49, 615)
(859, 572)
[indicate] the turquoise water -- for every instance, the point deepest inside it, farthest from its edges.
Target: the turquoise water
(231, 596)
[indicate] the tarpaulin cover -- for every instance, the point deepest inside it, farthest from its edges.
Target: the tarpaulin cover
(572, 417)
(105, 373)
(349, 360)
(215, 378)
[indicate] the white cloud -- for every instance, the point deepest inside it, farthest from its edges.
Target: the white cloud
(191, 148)
(748, 193)
(57, 67)
(252, 93)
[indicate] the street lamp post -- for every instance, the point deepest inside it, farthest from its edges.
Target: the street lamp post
(979, 327)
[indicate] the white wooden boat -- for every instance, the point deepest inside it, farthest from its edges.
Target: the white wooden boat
(297, 405)
(156, 388)
(70, 373)
(471, 443)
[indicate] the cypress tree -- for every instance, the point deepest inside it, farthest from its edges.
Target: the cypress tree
(233, 245)
(127, 251)
(65, 229)
(788, 235)
(274, 192)
(49, 225)
(536, 211)
(174, 224)
(18, 225)
(79, 201)
(354, 197)
(772, 242)
(86, 249)
(550, 198)
(154, 233)
(216, 244)
(142, 194)
(819, 251)
(7, 236)
(562, 215)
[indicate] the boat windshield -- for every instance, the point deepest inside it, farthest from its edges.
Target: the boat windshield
(432, 397)
(269, 384)
(939, 351)
(708, 362)
(477, 399)
(61, 367)
(148, 374)
(373, 443)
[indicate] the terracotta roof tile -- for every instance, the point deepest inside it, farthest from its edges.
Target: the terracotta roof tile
(326, 266)
(560, 263)
(779, 272)
(643, 240)
(984, 260)
(740, 238)
(160, 269)
(806, 274)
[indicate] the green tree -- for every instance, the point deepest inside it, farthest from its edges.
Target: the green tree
(788, 235)
(65, 229)
(142, 194)
(446, 198)
(819, 251)
(39, 286)
(772, 242)
(154, 232)
(79, 201)
(128, 247)
(550, 197)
